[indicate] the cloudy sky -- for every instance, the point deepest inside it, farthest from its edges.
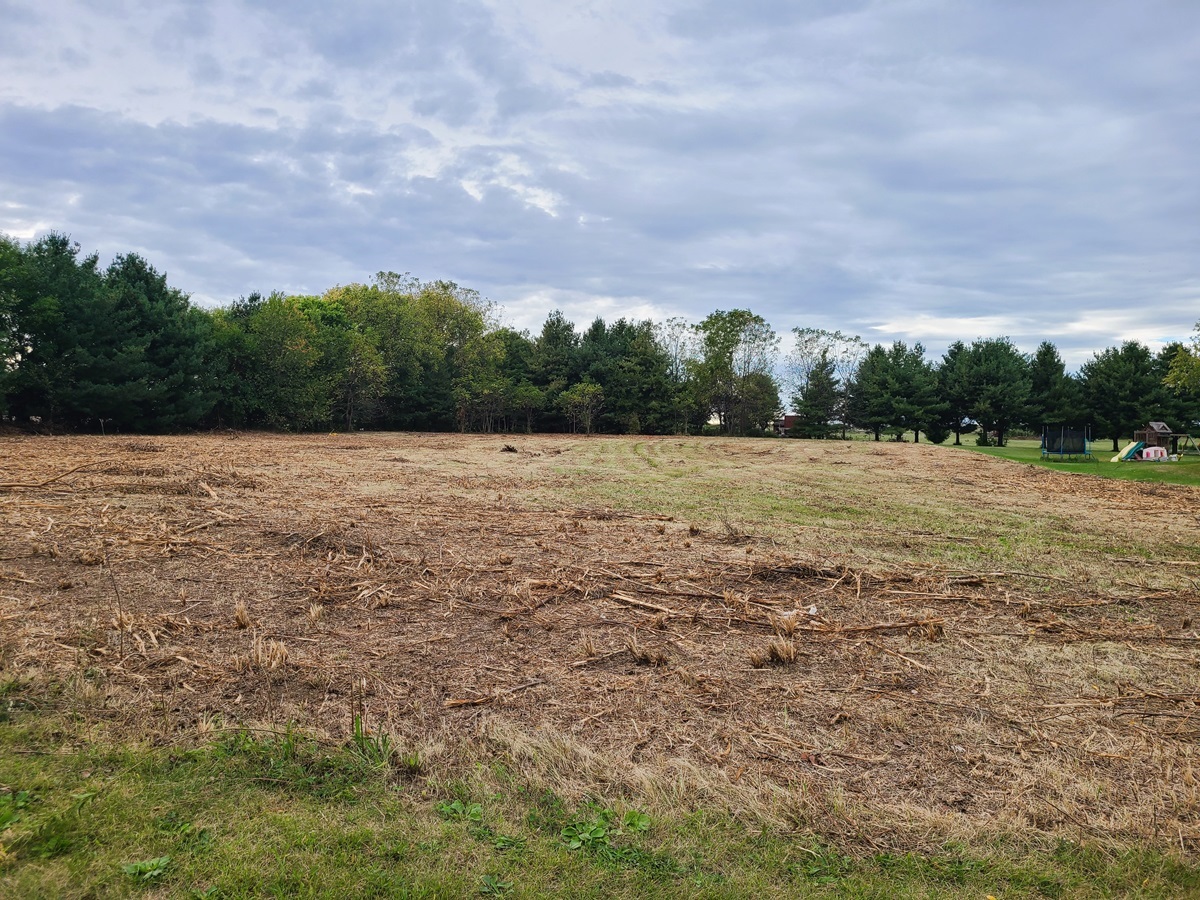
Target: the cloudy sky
(911, 169)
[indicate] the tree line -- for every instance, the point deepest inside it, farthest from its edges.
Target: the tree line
(119, 349)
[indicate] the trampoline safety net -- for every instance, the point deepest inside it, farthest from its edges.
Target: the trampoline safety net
(1062, 441)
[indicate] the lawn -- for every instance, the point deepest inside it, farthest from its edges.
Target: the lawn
(1185, 471)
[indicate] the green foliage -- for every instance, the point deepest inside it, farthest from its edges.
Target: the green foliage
(954, 389)
(581, 403)
(457, 811)
(493, 886)
(587, 835)
(1054, 397)
(936, 432)
(997, 385)
(147, 869)
(376, 749)
(895, 389)
(637, 822)
(1123, 389)
(816, 404)
(119, 349)
(734, 374)
(11, 804)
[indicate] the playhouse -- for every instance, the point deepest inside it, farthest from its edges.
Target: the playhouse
(1157, 443)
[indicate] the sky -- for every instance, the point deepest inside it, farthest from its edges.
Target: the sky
(917, 170)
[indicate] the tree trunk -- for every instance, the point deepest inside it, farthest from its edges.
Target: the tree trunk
(916, 436)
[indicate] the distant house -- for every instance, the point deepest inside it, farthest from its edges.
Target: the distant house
(782, 426)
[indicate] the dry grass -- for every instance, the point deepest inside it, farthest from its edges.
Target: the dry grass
(856, 669)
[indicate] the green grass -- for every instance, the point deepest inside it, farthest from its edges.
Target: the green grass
(1185, 471)
(254, 814)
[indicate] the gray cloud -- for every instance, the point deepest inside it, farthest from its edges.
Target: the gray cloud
(917, 169)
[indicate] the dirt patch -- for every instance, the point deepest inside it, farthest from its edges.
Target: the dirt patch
(434, 585)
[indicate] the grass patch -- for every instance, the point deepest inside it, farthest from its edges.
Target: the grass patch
(1185, 471)
(251, 814)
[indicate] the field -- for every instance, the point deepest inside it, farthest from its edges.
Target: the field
(887, 668)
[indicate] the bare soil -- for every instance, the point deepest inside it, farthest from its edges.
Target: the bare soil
(893, 672)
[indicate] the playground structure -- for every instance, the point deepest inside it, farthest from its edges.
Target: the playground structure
(1157, 443)
(1063, 442)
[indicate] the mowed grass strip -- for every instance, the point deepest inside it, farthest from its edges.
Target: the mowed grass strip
(252, 814)
(886, 504)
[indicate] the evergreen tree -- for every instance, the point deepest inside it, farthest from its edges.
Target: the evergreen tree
(139, 359)
(555, 364)
(817, 402)
(998, 385)
(869, 398)
(52, 292)
(912, 389)
(1122, 390)
(1053, 394)
(954, 390)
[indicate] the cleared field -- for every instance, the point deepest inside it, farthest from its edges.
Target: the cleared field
(887, 645)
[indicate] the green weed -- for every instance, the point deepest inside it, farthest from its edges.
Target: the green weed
(492, 886)
(147, 869)
(457, 811)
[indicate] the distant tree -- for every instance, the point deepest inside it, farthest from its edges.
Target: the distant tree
(229, 363)
(680, 347)
(1121, 388)
(53, 293)
(954, 390)
(527, 399)
(627, 361)
(581, 403)
(555, 363)
(11, 266)
(285, 360)
(913, 389)
(735, 370)
(998, 385)
(817, 401)
(1183, 374)
(844, 351)
(139, 355)
(1179, 409)
(481, 391)
(758, 403)
(869, 394)
(361, 379)
(1053, 394)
